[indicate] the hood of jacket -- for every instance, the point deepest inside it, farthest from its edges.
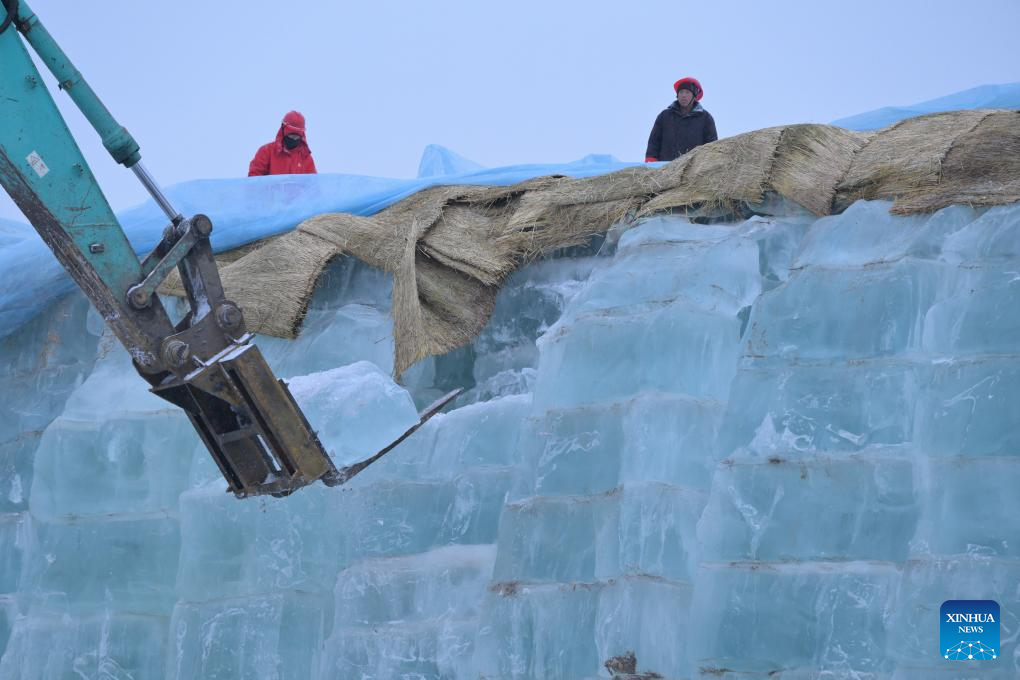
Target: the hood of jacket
(292, 122)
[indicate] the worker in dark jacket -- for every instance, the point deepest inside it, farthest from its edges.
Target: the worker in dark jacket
(682, 126)
(288, 154)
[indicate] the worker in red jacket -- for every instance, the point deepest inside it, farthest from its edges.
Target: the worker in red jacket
(289, 154)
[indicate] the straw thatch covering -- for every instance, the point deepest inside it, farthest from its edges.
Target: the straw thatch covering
(930, 162)
(450, 248)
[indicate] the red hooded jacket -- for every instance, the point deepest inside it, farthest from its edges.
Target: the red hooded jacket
(276, 159)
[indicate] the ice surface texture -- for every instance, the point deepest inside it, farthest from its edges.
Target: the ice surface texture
(759, 450)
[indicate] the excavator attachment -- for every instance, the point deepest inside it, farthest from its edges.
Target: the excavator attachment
(254, 429)
(205, 364)
(249, 421)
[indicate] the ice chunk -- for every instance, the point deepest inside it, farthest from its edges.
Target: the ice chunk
(602, 357)
(12, 231)
(569, 630)
(116, 448)
(504, 369)
(449, 444)
(905, 304)
(779, 241)
(664, 315)
(410, 460)
(780, 509)
(648, 529)
(445, 583)
(649, 617)
(415, 614)
(301, 542)
(538, 631)
(573, 451)
(970, 507)
(356, 410)
(638, 529)
(665, 230)
(331, 338)
(130, 461)
(866, 234)
(925, 585)
(530, 301)
(993, 237)
(882, 312)
(798, 411)
(270, 637)
(664, 261)
(113, 381)
(103, 645)
(503, 384)
(549, 538)
(505, 354)
(478, 498)
(232, 549)
(478, 434)
(405, 650)
(123, 565)
(346, 281)
(968, 408)
(670, 439)
(978, 315)
(831, 617)
(591, 449)
(396, 518)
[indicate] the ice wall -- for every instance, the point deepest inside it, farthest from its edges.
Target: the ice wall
(759, 450)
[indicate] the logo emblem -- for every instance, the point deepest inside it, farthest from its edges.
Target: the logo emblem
(969, 630)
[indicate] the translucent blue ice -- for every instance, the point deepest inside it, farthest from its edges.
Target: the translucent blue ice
(760, 450)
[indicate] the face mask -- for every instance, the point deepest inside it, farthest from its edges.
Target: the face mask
(291, 141)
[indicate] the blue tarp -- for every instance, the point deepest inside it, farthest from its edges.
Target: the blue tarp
(1005, 96)
(248, 209)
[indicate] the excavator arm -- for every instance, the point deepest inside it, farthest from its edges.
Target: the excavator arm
(206, 363)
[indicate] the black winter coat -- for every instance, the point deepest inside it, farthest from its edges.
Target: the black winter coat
(675, 134)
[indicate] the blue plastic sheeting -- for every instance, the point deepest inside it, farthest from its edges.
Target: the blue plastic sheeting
(438, 160)
(248, 209)
(1005, 96)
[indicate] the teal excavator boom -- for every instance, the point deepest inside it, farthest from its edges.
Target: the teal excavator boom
(205, 364)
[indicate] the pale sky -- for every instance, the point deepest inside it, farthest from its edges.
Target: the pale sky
(202, 84)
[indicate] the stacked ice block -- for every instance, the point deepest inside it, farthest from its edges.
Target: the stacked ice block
(767, 449)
